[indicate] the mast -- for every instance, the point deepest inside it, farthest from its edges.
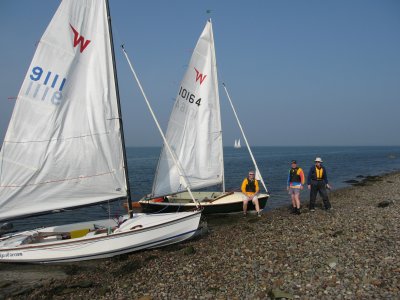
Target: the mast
(128, 189)
(214, 65)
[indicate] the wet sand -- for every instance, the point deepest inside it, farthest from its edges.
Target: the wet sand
(350, 253)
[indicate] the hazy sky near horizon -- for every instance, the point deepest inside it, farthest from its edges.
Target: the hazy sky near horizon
(304, 73)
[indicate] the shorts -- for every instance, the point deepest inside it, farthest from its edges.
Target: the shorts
(255, 198)
(294, 191)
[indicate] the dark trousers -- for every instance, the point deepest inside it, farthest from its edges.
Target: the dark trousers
(319, 187)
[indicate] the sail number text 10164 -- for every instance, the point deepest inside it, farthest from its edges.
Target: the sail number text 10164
(51, 82)
(191, 98)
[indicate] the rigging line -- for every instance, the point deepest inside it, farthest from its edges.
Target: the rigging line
(181, 173)
(245, 139)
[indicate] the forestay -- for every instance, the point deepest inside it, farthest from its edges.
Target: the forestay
(63, 144)
(194, 128)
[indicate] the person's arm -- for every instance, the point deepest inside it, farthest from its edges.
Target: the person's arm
(309, 176)
(325, 176)
(243, 188)
(257, 187)
(301, 173)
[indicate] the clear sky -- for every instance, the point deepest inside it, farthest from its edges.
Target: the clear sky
(305, 72)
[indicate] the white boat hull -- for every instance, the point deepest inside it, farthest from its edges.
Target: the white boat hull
(143, 231)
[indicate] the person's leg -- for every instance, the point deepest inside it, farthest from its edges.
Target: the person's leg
(293, 196)
(297, 201)
(256, 204)
(313, 196)
(245, 206)
(324, 195)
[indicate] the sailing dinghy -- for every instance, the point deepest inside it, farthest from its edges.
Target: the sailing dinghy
(64, 148)
(237, 144)
(194, 133)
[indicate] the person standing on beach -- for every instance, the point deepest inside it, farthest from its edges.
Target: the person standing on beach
(295, 183)
(250, 189)
(317, 181)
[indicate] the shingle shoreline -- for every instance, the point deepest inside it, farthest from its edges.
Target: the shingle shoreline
(350, 253)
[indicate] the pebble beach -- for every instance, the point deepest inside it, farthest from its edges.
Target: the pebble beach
(351, 252)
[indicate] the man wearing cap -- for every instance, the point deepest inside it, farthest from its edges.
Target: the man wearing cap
(317, 181)
(250, 189)
(295, 183)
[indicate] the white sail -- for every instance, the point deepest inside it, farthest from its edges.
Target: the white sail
(194, 128)
(63, 144)
(238, 144)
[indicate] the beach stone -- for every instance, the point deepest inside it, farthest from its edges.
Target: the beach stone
(102, 291)
(278, 282)
(376, 282)
(126, 268)
(385, 203)
(5, 284)
(279, 294)
(352, 181)
(337, 233)
(71, 269)
(145, 298)
(67, 291)
(189, 250)
(81, 284)
(23, 291)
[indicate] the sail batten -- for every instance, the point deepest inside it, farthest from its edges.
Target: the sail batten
(194, 129)
(63, 145)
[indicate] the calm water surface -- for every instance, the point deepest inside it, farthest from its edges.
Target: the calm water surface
(342, 163)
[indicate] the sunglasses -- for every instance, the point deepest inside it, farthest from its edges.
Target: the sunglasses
(251, 174)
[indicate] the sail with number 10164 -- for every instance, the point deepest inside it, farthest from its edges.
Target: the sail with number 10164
(194, 133)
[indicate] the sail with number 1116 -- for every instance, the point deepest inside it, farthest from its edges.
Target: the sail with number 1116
(64, 148)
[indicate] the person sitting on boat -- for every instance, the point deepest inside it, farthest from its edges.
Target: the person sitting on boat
(250, 189)
(295, 183)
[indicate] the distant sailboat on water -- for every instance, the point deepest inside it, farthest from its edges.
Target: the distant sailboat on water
(237, 144)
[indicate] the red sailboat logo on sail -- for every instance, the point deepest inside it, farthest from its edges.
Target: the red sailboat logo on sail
(200, 76)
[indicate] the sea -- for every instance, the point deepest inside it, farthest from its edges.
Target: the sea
(342, 164)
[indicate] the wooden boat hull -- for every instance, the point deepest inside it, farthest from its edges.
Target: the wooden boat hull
(141, 232)
(211, 203)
